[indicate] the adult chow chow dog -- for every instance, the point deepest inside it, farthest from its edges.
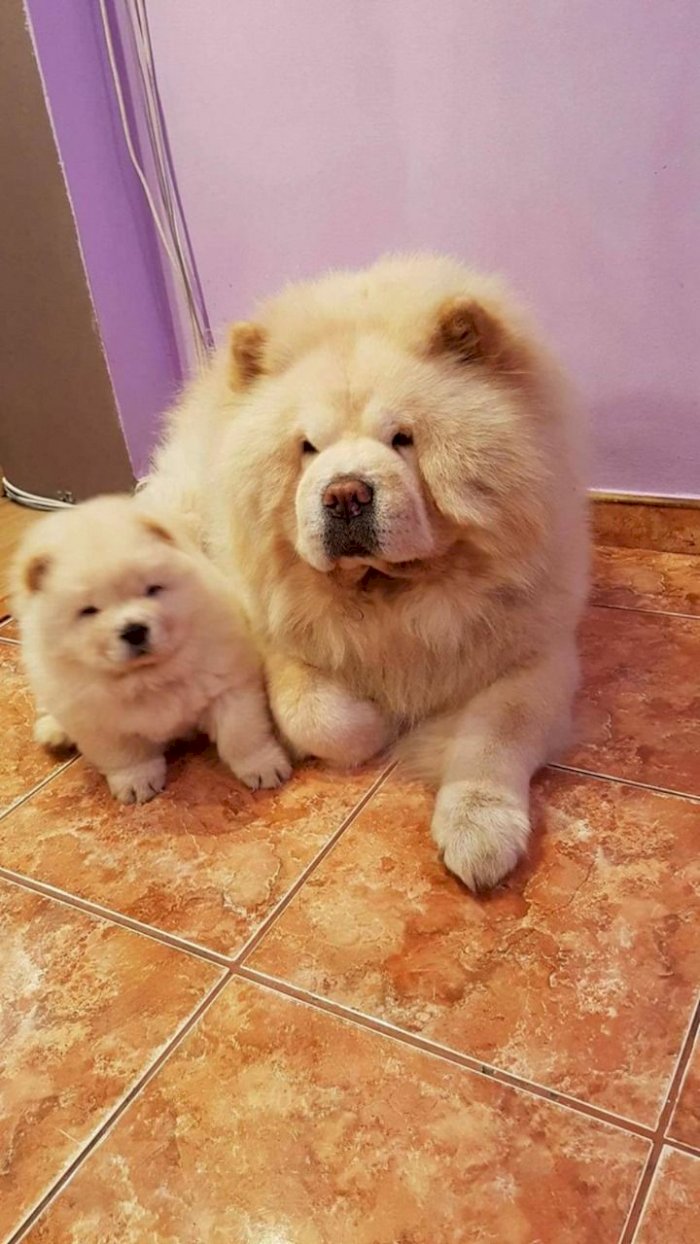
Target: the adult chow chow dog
(385, 462)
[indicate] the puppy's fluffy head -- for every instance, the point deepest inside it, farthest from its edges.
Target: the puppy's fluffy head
(384, 416)
(106, 586)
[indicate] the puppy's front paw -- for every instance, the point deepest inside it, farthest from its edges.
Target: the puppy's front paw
(50, 733)
(139, 783)
(480, 832)
(264, 769)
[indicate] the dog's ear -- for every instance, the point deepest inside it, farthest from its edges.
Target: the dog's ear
(158, 529)
(472, 333)
(246, 355)
(33, 571)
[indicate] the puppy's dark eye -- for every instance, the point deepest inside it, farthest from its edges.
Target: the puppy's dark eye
(402, 440)
(308, 448)
(154, 590)
(88, 611)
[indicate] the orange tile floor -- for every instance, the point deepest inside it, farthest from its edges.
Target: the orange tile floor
(274, 1019)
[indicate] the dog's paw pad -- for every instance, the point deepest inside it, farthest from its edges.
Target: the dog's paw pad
(140, 784)
(481, 833)
(49, 733)
(265, 769)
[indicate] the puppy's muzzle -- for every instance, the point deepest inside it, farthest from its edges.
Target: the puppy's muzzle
(137, 638)
(349, 518)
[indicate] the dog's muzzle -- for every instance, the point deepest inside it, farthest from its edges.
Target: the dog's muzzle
(349, 518)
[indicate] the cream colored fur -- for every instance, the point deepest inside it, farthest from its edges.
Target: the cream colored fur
(82, 576)
(456, 633)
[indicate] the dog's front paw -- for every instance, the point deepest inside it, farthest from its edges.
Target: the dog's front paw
(481, 832)
(264, 769)
(139, 783)
(50, 733)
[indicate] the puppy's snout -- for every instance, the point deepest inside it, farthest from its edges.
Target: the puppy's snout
(136, 635)
(347, 499)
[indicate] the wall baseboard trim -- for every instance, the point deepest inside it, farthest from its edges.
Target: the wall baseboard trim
(644, 498)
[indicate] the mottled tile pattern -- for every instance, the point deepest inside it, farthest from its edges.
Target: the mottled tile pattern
(645, 579)
(85, 1008)
(579, 974)
(638, 714)
(206, 860)
(22, 762)
(312, 1131)
(672, 1212)
(685, 1125)
(276, 1122)
(666, 528)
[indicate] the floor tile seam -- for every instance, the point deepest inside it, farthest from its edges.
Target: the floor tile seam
(691, 1151)
(332, 841)
(34, 790)
(677, 1077)
(654, 613)
(425, 1045)
(153, 932)
(640, 1199)
(622, 781)
(120, 1109)
(91, 908)
(646, 1183)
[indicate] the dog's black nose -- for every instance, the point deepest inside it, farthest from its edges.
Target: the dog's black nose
(135, 634)
(348, 498)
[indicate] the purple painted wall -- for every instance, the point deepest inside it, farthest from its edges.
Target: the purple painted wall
(557, 141)
(118, 242)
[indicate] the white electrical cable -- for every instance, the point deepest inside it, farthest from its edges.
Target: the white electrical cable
(172, 245)
(170, 198)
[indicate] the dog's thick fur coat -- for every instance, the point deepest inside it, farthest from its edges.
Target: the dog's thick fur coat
(435, 596)
(130, 639)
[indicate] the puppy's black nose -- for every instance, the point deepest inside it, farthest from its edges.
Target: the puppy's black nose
(348, 498)
(135, 634)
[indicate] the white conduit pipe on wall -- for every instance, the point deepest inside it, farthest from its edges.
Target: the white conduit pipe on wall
(163, 200)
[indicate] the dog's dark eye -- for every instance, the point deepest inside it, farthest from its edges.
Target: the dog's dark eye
(154, 590)
(308, 448)
(88, 611)
(402, 440)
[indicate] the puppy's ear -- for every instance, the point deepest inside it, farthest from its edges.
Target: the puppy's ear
(246, 355)
(33, 571)
(471, 333)
(158, 529)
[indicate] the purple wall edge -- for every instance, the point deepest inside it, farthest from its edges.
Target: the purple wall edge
(116, 234)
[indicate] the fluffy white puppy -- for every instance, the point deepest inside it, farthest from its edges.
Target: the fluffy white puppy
(131, 639)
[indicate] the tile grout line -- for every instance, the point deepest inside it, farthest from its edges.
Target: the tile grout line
(622, 781)
(683, 1061)
(654, 613)
(692, 1151)
(90, 908)
(256, 937)
(135, 1091)
(162, 936)
(641, 1196)
(412, 1040)
(34, 790)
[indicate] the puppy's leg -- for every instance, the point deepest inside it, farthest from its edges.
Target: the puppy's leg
(134, 767)
(239, 723)
(481, 820)
(318, 717)
(50, 733)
